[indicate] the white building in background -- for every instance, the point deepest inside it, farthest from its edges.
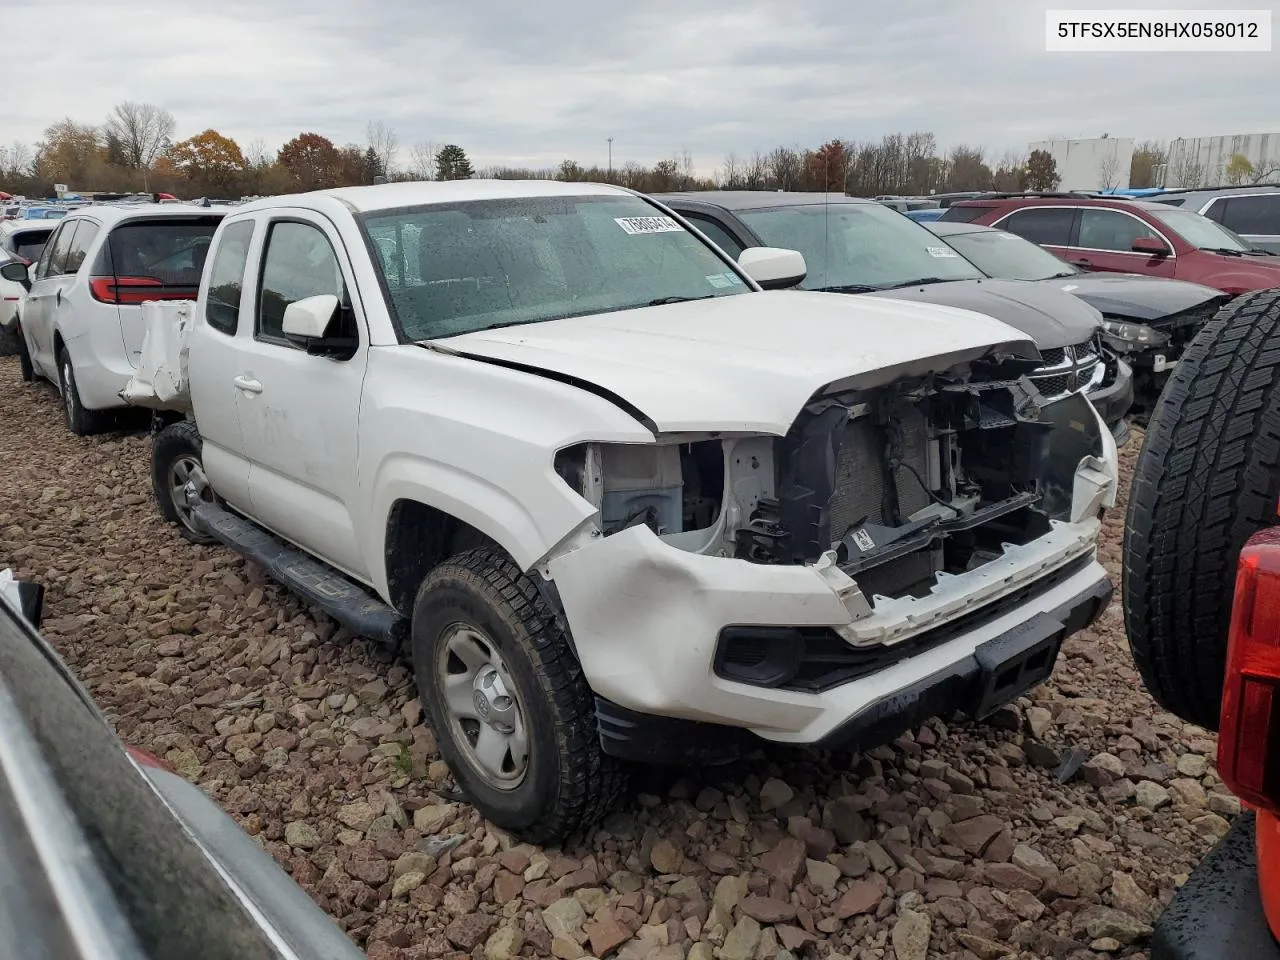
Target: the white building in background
(1090, 164)
(1202, 161)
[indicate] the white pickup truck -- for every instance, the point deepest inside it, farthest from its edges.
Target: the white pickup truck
(553, 438)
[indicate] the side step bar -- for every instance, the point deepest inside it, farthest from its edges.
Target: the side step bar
(351, 604)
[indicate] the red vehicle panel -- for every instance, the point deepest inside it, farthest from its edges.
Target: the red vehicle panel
(1130, 236)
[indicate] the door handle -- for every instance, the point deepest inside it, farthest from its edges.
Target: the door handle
(58, 296)
(1082, 262)
(248, 385)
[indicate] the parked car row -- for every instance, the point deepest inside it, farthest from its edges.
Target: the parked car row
(1143, 237)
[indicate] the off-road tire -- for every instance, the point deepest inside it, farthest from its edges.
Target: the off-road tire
(1207, 478)
(570, 782)
(24, 358)
(174, 442)
(80, 420)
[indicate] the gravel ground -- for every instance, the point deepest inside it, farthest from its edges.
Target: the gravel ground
(957, 841)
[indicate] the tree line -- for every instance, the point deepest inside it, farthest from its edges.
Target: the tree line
(134, 150)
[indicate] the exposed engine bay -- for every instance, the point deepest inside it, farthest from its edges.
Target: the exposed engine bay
(903, 483)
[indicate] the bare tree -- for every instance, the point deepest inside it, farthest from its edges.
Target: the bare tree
(731, 172)
(257, 154)
(142, 130)
(684, 161)
(383, 142)
(1185, 168)
(16, 160)
(422, 159)
(1108, 168)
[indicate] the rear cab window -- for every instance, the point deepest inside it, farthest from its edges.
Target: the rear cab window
(165, 255)
(226, 277)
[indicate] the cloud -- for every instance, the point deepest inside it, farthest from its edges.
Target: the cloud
(532, 84)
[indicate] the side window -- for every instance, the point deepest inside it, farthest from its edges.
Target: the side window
(299, 262)
(52, 265)
(1044, 225)
(1111, 230)
(1253, 215)
(226, 277)
(86, 233)
(716, 233)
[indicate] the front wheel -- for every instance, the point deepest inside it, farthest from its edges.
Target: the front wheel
(511, 710)
(175, 468)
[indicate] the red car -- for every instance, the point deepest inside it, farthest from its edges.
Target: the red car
(1129, 236)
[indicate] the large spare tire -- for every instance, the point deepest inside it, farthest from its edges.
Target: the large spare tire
(1207, 478)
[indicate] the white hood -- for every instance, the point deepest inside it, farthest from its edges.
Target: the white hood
(745, 363)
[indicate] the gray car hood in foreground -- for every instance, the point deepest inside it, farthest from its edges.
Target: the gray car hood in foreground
(1133, 295)
(1050, 317)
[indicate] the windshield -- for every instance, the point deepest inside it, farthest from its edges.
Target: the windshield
(1006, 256)
(1200, 232)
(455, 268)
(858, 245)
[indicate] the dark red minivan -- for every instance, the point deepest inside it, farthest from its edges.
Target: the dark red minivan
(1129, 236)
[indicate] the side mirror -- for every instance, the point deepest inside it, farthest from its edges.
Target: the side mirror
(774, 268)
(1153, 246)
(16, 271)
(309, 323)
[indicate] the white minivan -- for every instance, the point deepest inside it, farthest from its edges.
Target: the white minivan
(82, 321)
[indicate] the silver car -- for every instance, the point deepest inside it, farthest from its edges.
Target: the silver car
(104, 853)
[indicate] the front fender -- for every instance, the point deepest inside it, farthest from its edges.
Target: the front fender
(492, 510)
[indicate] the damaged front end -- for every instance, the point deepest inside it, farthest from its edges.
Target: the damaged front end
(889, 492)
(1152, 346)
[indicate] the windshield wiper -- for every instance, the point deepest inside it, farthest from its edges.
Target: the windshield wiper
(660, 301)
(921, 282)
(1065, 273)
(849, 288)
(1225, 251)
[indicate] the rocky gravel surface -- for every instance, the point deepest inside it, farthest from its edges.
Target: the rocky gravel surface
(1058, 829)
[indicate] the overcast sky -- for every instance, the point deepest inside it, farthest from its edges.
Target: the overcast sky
(530, 83)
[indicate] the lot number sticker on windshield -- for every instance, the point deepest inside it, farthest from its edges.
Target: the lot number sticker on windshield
(942, 252)
(722, 280)
(636, 225)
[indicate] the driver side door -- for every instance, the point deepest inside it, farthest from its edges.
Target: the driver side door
(299, 413)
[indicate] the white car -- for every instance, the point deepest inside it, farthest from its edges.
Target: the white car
(82, 321)
(552, 436)
(11, 294)
(25, 239)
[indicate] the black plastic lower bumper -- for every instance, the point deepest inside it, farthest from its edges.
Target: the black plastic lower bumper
(999, 670)
(1217, 915)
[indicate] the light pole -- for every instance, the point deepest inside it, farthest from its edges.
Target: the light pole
(610, 174)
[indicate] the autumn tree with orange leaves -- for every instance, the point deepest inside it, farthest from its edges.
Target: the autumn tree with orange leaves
(210, 162)
(312, 161)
